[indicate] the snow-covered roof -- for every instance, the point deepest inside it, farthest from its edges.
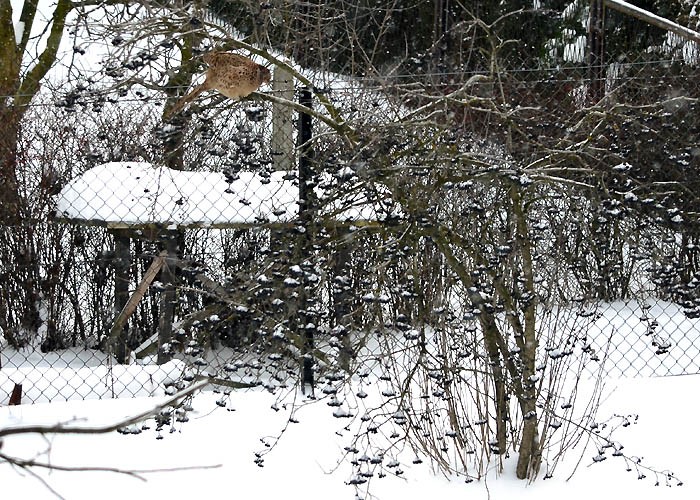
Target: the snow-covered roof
(132, 194)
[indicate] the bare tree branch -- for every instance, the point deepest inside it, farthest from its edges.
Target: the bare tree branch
(63, 428)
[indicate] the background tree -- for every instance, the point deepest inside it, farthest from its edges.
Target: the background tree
(20, 78)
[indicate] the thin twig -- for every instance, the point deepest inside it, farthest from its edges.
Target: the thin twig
(136, 473)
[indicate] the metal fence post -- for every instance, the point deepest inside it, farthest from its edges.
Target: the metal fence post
(306, 214)
(596, 51)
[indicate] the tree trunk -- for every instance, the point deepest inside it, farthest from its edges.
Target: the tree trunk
(19, 261)
(9, 187)
(9, 117)
(495, 344)
(530, 455)
(490, 334)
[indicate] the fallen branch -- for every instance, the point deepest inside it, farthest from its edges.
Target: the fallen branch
(653, 19)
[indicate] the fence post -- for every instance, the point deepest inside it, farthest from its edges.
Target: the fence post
(167, 298)
(282, 141)
(596, 51)
(122, 262)
(307, 326)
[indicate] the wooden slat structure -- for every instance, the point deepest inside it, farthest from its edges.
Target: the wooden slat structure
(137, 200)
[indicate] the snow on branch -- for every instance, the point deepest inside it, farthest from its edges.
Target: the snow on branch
(63, 428)
(661, 22)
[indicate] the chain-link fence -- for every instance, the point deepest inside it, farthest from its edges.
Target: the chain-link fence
(118, 265)
(253, 243)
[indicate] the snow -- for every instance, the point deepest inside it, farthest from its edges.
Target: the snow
(575, 51)
(51, 383)
(305, 460)
(631, 333)
(19, 32)
(136, 193)
(39, 31)
(218, 445)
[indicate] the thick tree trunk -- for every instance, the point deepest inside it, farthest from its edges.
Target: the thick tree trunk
(9, 187)
(19, 261)
(529, 454)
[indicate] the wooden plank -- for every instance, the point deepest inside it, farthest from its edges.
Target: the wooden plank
(130, 307)
(282, 141)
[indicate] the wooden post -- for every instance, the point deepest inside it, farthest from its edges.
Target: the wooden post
(16, 396)
(121, 263)
(130, 306)
(282, 141)
(167, 300)
(282, 148)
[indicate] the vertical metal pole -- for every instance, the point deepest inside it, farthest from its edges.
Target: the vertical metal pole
(306, 214)
(596, 51)
(305, 169)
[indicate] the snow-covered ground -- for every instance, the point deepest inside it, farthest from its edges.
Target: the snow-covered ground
(213, 454)
(222, 442)
(646, 338)
(217, 445)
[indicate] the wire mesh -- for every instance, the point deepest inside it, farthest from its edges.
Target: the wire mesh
(250, 286)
